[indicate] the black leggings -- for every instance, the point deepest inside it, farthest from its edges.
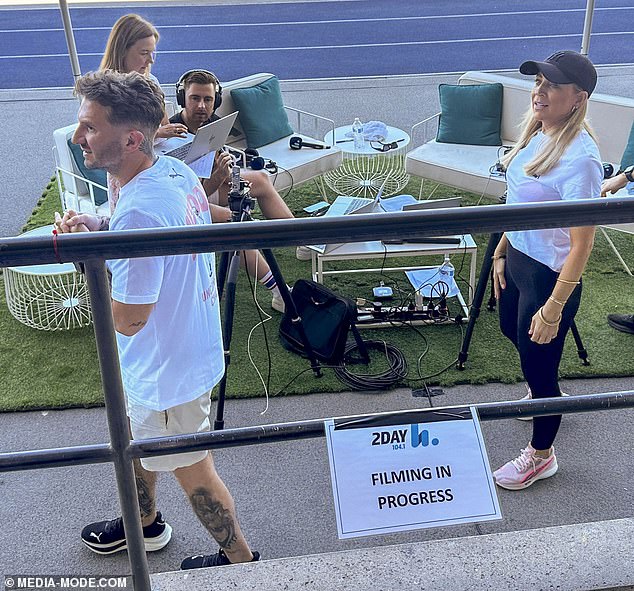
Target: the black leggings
(528, 285)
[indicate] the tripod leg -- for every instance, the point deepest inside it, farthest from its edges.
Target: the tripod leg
(581, 350)
(290, 307)
(221, 276)
(478, 297)
(227, 331)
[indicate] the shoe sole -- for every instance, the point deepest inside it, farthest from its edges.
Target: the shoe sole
(151, 544)
(550, 471)
(278, 306)
(531, 418)
(621, 327)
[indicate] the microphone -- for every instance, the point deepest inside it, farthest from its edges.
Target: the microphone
(297, 143)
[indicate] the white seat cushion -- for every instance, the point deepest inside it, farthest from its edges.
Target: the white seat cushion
(462, 166)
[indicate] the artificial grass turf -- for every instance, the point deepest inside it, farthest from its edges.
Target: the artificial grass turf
(59, 369)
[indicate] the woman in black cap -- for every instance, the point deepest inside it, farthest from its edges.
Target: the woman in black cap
(537, 273)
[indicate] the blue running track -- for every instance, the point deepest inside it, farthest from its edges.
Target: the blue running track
(305, 40)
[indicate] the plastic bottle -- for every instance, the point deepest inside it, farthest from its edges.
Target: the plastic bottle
(357, 134)
(447, 270)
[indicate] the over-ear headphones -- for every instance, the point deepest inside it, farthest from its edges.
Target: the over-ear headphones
(297, 143)
(256, 162)
(180, 88)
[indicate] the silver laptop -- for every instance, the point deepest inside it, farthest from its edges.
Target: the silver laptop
(344, 205)
(433, 204)
(208, 138)
(354, 205)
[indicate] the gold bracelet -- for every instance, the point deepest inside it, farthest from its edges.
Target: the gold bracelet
(567, 282)
(541, 317)
(496, 257)
(562, 304)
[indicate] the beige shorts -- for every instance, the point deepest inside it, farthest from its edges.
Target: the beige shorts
(191, 417)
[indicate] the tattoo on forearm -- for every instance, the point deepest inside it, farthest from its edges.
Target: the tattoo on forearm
(139, 323)
(104, 223)
(216, 518)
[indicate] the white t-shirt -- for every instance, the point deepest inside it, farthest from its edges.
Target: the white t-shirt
(578, 175)
(178, 354)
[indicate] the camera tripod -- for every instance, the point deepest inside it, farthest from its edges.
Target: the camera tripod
(478, 298)
(241, 204)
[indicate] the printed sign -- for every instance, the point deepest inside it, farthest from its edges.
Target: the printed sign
(409, 470)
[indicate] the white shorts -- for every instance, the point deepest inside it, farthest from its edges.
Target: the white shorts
(191, 417)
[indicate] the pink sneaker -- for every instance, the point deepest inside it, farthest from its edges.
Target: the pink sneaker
(529, 396)
(526, 469)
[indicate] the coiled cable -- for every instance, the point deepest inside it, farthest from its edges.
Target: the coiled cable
(396, 371)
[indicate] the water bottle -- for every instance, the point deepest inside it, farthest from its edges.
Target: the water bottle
(357, 134)
(447, 271)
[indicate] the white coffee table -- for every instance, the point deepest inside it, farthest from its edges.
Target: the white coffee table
(364, 170)
(47, 297)
(377, 250)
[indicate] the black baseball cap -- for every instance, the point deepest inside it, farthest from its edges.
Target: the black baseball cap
(565, 67)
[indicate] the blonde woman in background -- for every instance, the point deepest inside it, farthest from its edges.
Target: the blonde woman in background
(131, 47)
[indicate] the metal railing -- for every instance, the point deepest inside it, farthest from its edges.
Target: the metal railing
(95, 249)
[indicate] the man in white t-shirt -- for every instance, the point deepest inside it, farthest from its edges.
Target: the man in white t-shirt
(165, 311)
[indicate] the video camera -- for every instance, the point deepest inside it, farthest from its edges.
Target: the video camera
(240, 201)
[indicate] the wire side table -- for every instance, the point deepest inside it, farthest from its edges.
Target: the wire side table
(47, 297)
(364, 170)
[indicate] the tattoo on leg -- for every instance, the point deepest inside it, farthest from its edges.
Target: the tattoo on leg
(147, 502)
(216, 518)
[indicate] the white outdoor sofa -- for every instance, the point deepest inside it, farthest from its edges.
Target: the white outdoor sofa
(295, 166)
(468, 167)
(471, 168)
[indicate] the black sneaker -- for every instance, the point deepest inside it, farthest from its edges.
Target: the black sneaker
(622, 322)
(218, 559)
(108, 537)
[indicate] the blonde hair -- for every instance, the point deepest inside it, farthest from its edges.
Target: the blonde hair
(558, 141)
(126, 32)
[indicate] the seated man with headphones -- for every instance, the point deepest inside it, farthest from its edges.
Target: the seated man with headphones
(199, 94)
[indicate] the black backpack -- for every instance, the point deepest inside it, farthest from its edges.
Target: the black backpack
(326, 318)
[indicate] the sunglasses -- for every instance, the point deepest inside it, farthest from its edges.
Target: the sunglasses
(385, 147)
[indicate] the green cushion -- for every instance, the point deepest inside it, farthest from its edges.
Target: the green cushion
(262, 114)
(96, 175)
(628, 153)
(470, 114)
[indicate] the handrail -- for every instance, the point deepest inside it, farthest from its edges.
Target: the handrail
(275, 233)
(295, 430)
